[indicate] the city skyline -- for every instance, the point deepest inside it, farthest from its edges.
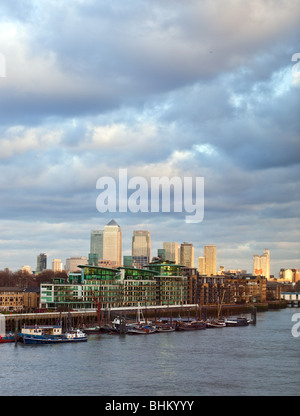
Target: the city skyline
(207, 255)
(161, 89)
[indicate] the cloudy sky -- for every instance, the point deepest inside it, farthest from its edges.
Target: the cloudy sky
(161, 88)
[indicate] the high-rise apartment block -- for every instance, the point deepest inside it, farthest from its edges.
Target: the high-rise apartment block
(210, 255)
(261, 264)
(187, 255)
(290, 275)
(112, 243)
(171, 251)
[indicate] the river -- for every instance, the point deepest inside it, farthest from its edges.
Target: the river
(261, 359)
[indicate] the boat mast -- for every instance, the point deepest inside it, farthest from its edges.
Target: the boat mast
(220, 305)
(98, 303)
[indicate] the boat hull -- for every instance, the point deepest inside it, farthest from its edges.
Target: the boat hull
(96, 330)
(210, 325)
(72, 336)
(141, 330)
(4, 339)
(237, 322)
(193, 326)
(215, 324)
(160, 330)
(45, 340)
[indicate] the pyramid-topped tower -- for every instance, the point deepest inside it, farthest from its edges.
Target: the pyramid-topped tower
(112, 243)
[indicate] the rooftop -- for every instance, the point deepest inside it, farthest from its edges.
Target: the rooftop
(112, 223)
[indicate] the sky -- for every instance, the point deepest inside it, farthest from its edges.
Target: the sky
(167, 88)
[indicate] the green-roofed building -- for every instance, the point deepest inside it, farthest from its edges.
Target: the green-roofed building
(158, 284)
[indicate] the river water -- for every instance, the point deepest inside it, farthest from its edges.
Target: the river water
(261, 359)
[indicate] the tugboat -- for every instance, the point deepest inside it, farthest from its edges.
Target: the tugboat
(48, 334)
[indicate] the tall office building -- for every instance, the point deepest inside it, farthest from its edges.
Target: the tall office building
(210, 255)
(141, 248)
(201, 265)
(171, 250)
(187, 255)
(161, 253)
(96, 243)
(41, 262)
(112, 243)
(73, 262)
(261, 264)
(141, 244)
(57, 265)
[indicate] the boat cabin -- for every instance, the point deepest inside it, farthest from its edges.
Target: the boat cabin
(42, 330)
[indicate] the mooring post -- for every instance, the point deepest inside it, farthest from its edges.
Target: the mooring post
(16, 331)
(253, 316)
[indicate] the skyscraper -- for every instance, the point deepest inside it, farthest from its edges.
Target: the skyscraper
(141, 247)
(187, 255)
(201, 265)
(41, 262)
(73, 262)
(171, 249)
(261, 264)
(112, 243)
(57, 265)
(210, 255)
(96, 243)
(141, 243)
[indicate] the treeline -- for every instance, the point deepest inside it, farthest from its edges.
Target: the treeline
(24, 279)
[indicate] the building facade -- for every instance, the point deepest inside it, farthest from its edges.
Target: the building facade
(73, 262)
(96, 243)
(112, 243)
(187, 255)
(171, 251)
(141, 248)
(57, 265)
(210, 255)
(290, 275)
(41, 262)
(201, 265)
(18, 300)
(261, 264)
(160, 284)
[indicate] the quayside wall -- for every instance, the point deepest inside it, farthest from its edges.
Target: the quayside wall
(80, 318)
